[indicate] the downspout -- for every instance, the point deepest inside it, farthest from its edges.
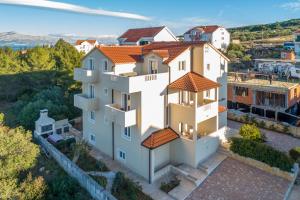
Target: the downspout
(113, 129)
(150, 166)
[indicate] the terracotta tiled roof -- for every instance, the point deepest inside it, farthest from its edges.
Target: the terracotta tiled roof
(134, 35)
(206, 29)
(122, 54)
(92, 42)
(193, 82)
(222, 109)
(160, 137)
(161, 53)
(298, 31)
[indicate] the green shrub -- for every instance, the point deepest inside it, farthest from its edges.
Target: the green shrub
(262, 124)
(250, 132)
(101, 180)
(286, 129)
(124, 188)
(261, 152)
(295, 153)
(167, 187)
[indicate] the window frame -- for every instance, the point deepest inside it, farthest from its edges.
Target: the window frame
(121, 155)
(126, 134)
(105, 65)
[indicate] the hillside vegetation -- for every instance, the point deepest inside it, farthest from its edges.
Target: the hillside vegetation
(265, 31)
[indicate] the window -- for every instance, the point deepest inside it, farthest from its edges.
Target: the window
(127, 133)
(222, 38)
(206, 49)
(47, 128)
(105, 65)
(295, 93)
(125, 102)
(106, 91)
(58, 131)
(181, 65)
(180, 127)
(91, 91)
(66, 129)
(92, 138)
(121, 155)
(208, 93)
(241, 91)
(91, 64)
(208, 66)
(222, 33)
(153, 66)
(92, 116)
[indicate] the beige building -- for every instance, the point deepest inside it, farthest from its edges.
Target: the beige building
(153, 106)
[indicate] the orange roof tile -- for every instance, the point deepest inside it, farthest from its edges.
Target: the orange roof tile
(159, 138)
(134, 35)
(298, 31)
(92, 42)
(193, 82)
(122, 54)
(206, 29)
(161, 53)
(222, 109)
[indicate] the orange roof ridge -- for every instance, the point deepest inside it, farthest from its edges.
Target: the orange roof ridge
(193, 82)
(159, 138)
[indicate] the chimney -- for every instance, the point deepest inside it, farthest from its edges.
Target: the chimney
(44, 113)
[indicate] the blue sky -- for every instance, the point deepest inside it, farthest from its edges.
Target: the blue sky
(177, 15)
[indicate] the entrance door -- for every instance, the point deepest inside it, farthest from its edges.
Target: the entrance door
(125, 102)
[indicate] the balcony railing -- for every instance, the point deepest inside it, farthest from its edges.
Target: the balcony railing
(86, 103)
(86, 75)
(133, 84)
(207, 111)
(124, 118)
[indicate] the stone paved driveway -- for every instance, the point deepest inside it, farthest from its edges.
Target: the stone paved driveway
(277, 140)
(234, 180)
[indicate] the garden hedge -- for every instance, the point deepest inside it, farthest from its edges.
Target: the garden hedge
(261, 152)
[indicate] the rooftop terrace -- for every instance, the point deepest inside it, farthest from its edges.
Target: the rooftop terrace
(262, 83)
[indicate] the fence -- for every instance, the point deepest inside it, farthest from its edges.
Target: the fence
(95, 190)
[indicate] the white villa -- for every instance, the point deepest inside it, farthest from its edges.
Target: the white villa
(142, 36)
(85, 45)
(216, 35)
(154, 106)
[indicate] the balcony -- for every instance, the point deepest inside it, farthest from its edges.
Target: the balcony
(132, 84)
(86, 103)
(124, 118)
(207, 111)
(86, 75)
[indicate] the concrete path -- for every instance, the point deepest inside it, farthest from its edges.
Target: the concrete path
(295, 193)
(277, 140)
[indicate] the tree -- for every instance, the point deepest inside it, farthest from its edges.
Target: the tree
(18, 154)
(250, 132)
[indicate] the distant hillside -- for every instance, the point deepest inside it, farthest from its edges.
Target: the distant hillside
(265, 31)
(18, 40)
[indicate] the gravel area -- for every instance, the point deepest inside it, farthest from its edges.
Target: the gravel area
(277, 140)
(236, 180)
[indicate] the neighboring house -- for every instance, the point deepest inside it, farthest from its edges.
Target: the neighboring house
(46, 126)
(142, 36)
(154, 105)
(85, 45)
(216, 35)
(289, 45)
(297, 43)
(287, 55)
(261, 97)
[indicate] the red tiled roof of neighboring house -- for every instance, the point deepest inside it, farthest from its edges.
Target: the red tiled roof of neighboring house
(222, 109)
(134, 35)
(298, 31)
(206, 29)
(122, 54)
(159, 138)
(79, 42)
(193, 82)
(161, 53)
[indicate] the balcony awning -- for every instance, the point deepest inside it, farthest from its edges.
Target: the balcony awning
(193, 82)
(159, 138)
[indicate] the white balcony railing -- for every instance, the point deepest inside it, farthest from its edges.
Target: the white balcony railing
(86, 75)
(124, 118)
(206, 111)
(134, 84)
(86, 103)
